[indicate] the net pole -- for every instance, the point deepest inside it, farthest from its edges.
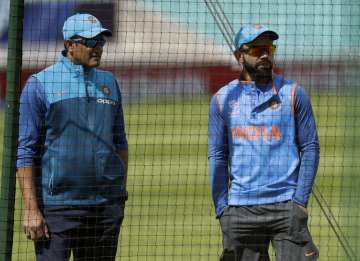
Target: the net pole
(325, 208)
(7, 177)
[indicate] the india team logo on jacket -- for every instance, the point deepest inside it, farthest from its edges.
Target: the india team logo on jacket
(255, 133)
(106, 90)
(234, 108)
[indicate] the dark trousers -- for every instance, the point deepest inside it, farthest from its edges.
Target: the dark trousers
(248, 230)
(89, 232)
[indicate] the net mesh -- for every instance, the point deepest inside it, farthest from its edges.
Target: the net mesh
(169, 57)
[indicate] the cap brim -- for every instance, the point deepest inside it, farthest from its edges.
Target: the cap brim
(273, 35)
(106, 32)
(93, 33)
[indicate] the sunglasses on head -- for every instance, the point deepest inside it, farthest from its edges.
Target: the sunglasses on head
(90, 43)
(259, 50)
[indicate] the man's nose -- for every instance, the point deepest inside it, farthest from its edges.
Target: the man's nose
(98, 46)
(265, 54)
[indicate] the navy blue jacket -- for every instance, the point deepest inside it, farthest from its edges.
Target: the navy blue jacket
(70, 129)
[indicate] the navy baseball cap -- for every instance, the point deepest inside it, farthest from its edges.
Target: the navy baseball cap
(84, 25)
(249, 33)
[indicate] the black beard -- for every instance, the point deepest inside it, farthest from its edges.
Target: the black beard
(257, 73)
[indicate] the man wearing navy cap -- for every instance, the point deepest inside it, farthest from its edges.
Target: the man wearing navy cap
(263, 157)
(73, 151)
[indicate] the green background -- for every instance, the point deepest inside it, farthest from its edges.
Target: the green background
(170, 216)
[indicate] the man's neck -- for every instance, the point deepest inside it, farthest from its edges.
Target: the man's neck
(263, 81)
(246, 76)
(71, 59)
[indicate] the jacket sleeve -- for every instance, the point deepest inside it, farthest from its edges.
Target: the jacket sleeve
(31, 118)
(218, 157)
(308, 143)
(120, 140)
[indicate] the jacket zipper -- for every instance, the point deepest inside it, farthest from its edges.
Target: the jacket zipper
(86, 87)
(51, 180)
(88, 101)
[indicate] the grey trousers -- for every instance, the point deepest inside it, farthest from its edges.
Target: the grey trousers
(248, 230)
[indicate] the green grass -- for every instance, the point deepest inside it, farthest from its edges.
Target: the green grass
(170, 216)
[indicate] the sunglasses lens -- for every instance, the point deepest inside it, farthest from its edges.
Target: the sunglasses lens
(272, 49)
(100, 42)
(255, 51)
(260, 50)
(91, 43)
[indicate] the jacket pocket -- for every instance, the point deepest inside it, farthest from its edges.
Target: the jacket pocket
(70, 177)
(52, 176)
(110, 176)
(111, 166)
(51, 184)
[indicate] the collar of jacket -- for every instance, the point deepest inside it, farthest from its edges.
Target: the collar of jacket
(277, 82)
(78, 69)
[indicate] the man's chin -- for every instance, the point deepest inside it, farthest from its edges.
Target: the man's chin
(264, 73)
(94, 64)
(264, 68)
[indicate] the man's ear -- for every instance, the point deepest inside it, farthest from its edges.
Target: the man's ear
(238, 55)
(69, 45)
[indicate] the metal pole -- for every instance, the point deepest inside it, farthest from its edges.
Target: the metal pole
(7, 178)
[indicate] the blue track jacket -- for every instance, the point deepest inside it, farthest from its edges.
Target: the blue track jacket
(263, 144)
(70, 128)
